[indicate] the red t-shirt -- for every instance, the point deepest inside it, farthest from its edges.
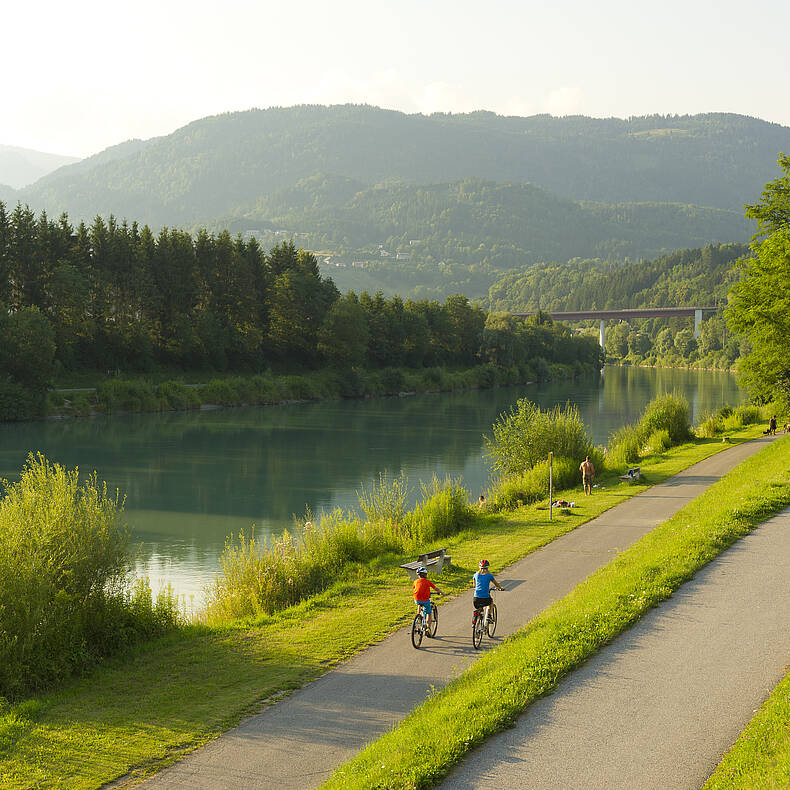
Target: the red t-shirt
(422, 589)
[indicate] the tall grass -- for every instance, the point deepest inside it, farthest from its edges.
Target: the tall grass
(524, 436)
(664, 423)
(66, 596)
(524, 488)
(729, 419)
(260, 577)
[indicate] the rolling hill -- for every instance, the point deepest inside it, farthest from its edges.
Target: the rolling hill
(22, 166)
(223, 165)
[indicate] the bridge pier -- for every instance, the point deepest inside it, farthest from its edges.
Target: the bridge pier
(697, 322)
(602, 334)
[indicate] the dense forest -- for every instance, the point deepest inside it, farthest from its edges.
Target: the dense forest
(692, 277)
(114, 297)
(700, 276)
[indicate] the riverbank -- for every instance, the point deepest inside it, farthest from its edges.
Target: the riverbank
(116, 395)
(143, 711)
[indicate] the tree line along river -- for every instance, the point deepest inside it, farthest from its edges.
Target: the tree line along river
(192, 478)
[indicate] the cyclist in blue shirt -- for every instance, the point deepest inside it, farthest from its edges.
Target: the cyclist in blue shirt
(483, 581)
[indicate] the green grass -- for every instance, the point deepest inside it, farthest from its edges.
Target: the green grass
(137, 713)
(760, 758)
(504, 682)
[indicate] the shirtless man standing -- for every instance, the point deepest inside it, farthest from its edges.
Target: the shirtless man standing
(588, 473)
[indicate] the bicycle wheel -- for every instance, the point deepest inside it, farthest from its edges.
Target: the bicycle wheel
(434, 620)
(477, 630)
(416, 630)
(491, 620)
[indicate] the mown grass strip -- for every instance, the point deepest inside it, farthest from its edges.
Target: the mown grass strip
(491, 694)
(139, 712)
(760, 758)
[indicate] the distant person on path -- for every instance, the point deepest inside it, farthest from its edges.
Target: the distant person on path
(422, 593)
(772, 426)
(588, 473)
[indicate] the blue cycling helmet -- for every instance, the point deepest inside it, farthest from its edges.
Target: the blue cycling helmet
(422, 571)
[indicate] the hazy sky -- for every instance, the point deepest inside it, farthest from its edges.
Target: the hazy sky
(80, 76)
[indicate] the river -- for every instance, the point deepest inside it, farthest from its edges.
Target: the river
(192, 478)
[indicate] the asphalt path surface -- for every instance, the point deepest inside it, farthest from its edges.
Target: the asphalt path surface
(660, 706)
(298, 742)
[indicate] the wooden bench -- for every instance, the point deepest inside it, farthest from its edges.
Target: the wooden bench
(432, 560)
(632, 475)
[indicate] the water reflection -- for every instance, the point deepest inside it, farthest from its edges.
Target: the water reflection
(191, 479)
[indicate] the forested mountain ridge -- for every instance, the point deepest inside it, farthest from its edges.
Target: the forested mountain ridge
(223, 165)
(692, 277)
(500, 225)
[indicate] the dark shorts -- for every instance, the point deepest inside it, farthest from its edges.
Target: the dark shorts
(481, 602)
(587, 480)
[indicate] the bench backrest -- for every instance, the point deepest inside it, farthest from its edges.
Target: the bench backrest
(432, 554)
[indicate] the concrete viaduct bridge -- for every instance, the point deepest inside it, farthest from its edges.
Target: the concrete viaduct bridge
(639, 312)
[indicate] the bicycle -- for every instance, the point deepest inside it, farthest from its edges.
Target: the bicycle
(483, 624)
(419, 626)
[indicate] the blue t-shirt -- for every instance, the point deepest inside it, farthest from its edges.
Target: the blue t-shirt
(482, 583)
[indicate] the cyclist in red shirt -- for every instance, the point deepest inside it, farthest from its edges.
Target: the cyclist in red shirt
(422, 593)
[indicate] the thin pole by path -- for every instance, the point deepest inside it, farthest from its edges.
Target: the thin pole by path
(298, 742)
(658, 707)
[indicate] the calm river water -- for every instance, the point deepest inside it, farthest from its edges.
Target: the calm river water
(191, 479)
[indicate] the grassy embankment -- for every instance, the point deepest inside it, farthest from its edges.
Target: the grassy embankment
(492, 693)
(150, 395)
(760, 758)
(138, 712)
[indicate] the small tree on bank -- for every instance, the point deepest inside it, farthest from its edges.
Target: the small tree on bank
(524, 436)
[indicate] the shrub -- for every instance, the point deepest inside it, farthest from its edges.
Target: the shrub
(177, 396)
(433, 379)
(658, 442)
(749, 414)
(532, 485)
(624, 446)
(132, 395)
(220, 392)
(733, 422)
(262, 577)
(524, 436)
(667, 412)
(65, 594)
(16, 402)
(708, 427)
(443, 511)
(392, 380)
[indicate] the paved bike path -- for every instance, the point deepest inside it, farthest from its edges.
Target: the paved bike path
(298, 742)
(658, 707)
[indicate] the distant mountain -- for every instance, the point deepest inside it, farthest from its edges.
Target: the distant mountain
(231, 165)
(22, 166)
(8, 195)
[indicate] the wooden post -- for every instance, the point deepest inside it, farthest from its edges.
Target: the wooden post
(551, 483)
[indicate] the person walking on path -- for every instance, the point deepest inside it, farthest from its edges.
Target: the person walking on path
(772, 426)
(588, 473)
